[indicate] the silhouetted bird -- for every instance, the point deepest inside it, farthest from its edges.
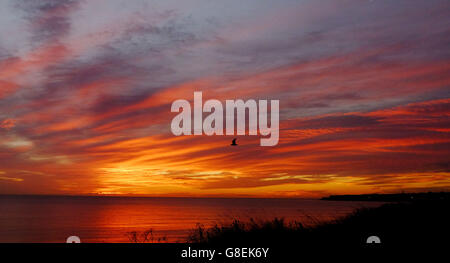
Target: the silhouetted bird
(233, 143)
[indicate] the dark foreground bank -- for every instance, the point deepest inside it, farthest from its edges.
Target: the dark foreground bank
(396, 224)
(404, 229)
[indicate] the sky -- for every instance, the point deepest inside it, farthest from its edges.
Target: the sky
(86, 89)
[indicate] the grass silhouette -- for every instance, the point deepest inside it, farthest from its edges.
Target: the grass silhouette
(147, 236)
(395, 223)
(422, 219)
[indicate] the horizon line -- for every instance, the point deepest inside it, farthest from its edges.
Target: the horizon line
(150, 196)
(214, 197)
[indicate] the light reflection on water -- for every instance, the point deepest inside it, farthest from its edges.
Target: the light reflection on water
(109, 219)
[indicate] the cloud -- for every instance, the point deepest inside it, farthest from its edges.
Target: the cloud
(7, 124)
(12, 179)
(48, 19)
(86, 89)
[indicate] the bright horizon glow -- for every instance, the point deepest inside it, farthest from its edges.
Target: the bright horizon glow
(85, 96)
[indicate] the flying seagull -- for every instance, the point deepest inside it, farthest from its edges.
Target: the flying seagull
(233, 143)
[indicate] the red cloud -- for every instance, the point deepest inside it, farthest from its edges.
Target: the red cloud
(7, 124)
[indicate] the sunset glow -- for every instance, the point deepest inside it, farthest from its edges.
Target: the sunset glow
(85, 96)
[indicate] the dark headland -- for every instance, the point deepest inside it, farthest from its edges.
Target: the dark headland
(406, 219)
(401, 197)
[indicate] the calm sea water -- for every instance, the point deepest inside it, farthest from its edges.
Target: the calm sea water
(109, 219)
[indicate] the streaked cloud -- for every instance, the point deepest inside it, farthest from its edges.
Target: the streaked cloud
(86, 88)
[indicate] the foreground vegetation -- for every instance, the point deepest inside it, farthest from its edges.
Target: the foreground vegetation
(424, 221)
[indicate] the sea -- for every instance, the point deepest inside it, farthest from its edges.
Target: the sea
(110, 219)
